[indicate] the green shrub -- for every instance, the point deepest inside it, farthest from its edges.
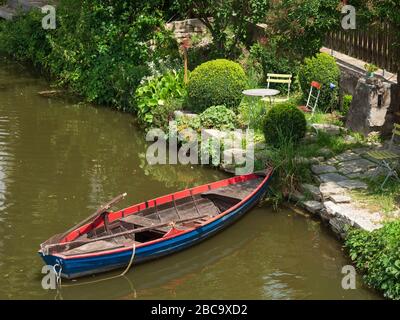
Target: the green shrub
(289, 172)
(158, 97)
(323, 69)
(218, 117)
(377, 255)
(216, 82)
(284, 122)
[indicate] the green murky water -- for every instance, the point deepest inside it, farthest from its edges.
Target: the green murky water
(59, 160)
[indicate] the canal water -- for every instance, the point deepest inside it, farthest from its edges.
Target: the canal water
(60, 159)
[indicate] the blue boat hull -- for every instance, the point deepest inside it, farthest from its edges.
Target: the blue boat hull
(78, 267)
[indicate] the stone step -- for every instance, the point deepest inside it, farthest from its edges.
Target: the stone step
(7, 12)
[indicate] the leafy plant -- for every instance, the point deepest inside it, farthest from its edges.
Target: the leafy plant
(154, 97)
(370, 68)
(284, 122)
(323, 69)
(377, 255)
(186, 122)
(217, 82)
(346, 104)
(218, 117)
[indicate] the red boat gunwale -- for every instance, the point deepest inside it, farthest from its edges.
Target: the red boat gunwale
(158, 201)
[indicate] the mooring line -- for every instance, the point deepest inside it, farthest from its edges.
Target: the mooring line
(109, 278)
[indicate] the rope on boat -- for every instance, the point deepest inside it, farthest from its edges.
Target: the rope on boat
(105, 279)
(57, 274)
(131, 261)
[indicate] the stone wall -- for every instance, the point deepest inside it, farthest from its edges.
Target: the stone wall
(370, 110)
(374, 108)
(186, 28)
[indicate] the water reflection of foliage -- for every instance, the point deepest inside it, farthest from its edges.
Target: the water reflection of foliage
(180, 176)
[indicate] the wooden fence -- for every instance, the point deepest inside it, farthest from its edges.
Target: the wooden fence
(373, 44)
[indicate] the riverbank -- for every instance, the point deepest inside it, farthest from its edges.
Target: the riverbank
(101, 71)
(60, 159)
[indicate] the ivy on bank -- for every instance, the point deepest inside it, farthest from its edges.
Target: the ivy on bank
(100, 49)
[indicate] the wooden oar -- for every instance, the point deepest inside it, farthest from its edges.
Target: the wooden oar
(104, 208)
(124, 233)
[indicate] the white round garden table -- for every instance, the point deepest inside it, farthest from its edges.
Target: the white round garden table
(261, 93)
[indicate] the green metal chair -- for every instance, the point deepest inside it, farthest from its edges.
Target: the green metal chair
(279, 78)
(387, 159)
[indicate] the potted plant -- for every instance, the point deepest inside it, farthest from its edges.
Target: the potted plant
(371, 69)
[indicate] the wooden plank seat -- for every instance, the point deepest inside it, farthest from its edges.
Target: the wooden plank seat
(93, 247)
(134, 221)
(235, 192)
(185, 208)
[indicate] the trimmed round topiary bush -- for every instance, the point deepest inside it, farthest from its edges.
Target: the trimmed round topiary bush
(323, 69)
(284, 123)
(216, 82)
(218, 117)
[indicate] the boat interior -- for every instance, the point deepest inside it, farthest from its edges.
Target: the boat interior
(156, 218)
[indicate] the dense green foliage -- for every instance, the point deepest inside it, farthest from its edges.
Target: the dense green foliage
(377, 255)
(24, 39)
(284, 122)
(216, 82)
(346, 104)
(218, 117)
(272, 60)
(231, 21)
(101, 50)
(299, 26)
(158, 97)
(323, 69)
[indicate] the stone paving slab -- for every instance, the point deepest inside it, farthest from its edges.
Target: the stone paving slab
(331, 177)
(353, 184)
(337, 198)
(348, 156)
(370, 174)
(355, 166)
(313, 206)
(319, 169)
(313, 190)
(330, 188)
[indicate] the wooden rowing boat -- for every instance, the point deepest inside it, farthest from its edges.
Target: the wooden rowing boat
(109, 240)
